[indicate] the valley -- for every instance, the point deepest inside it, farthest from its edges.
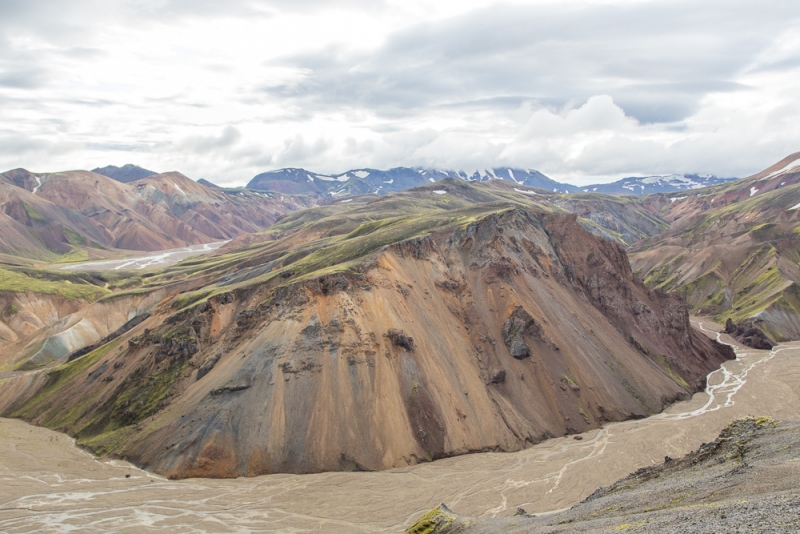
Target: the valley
(158, 260)
(452, 318)
(485, 339)
(48, 483)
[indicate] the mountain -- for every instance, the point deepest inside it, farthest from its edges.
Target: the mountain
(732, 249)
(647, 185)
(372, 181)
(203, 181)
(125, 174)
(78, 214)
(370, 333)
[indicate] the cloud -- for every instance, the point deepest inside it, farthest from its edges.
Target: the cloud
(205, 144)
(578, 89)
(653, 58)
(26, 78)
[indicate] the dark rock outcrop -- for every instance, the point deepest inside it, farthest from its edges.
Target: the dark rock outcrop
(518, 324)
(400, 339)
(498, 376)
(749, 334)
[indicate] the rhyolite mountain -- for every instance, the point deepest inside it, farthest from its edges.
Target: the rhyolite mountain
(732, 249)
(370, 333)
(125, 174)
(80, 214)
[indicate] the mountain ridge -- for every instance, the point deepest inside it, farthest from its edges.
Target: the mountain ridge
(372, 181)
(126, 174)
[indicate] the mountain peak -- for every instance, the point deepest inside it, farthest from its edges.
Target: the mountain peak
(125, 174)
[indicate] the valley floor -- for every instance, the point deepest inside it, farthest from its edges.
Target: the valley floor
(151, 260)
(47, 484)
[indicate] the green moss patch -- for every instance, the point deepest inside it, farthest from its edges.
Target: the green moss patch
(71, 287)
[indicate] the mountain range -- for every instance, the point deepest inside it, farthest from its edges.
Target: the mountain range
(368, 334)
(371, 181)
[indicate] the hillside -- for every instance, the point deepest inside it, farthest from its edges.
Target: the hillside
(732, 249)
(373, 333)
(744, 481)
(80, 215)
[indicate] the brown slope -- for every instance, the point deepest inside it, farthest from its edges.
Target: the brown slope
(390, 363)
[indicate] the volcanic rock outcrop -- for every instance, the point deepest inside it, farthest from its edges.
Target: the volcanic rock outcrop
(404, 329)
(749, 334)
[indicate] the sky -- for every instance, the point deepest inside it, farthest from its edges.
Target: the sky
(583, 91)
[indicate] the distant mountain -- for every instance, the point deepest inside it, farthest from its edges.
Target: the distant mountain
(45, 216)
(126, 174)
(366, 181)
(373, 181)
(732, 249)
(203, 181)
(645, 185)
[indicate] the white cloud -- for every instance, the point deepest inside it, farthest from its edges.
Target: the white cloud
(583, 91)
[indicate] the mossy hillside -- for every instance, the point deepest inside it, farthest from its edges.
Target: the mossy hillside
(73, 238)
(47, 400)
(33, 213)
(665, 277)
(706, 293)
(102, 425)
(748, 212)
(71, 286)
(141, 395)
(351, 235)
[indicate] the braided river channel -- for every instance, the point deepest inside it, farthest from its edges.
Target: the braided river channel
(47, 484)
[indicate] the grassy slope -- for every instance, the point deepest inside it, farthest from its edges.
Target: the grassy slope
(760, 232)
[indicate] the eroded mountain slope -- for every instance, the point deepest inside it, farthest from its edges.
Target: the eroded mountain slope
(734, 250)
(451, 318)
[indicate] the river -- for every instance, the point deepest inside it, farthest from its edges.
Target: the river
(49, 485)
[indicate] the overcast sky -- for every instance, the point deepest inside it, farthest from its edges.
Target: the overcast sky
(583, 91)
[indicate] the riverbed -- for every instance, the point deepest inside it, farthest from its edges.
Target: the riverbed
(151, 260)
(49, 485)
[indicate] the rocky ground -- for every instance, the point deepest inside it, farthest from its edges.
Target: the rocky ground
(744, 481)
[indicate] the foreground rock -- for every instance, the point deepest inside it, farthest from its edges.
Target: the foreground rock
(744, 481)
